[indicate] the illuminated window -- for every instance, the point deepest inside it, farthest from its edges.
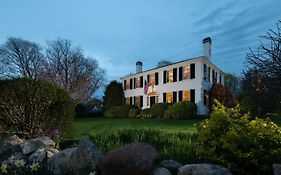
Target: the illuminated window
(206, 98)
(169, 97)
(138, 101)
(186, 72)
(128, 101)
(138, 82)
(152, 79)
(128, 84)
(170, 76)
(186, 96)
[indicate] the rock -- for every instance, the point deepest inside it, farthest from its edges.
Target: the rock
(32, 145)
(88, 156)
(161, 171)
(171, 165)
(53, 150)
(203, 169)
(79, 160)
(132, 159)
(40, 155)
(276, 169)
(10, 145)
(7, 142)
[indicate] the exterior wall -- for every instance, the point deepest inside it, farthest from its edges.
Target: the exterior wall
(199, 83)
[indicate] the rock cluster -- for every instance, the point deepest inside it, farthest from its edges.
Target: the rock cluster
(132, 159)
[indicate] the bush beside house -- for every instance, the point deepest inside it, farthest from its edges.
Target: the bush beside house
(181, 110)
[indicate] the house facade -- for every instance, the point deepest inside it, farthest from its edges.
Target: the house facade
(186, 80)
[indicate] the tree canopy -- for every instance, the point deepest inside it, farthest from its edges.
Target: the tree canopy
(113, 95)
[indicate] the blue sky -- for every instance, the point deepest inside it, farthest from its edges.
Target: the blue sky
(119, 33)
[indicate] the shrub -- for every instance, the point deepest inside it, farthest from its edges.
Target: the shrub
(244, 146)
(28, 105)
(157, 110)
(134, 112)
(144, 114)
(181, 110)
(118, 111)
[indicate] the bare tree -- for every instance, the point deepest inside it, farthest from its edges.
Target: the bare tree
(70, 69)
(20, 58)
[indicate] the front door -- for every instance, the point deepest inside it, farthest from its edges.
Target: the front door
(152, 100)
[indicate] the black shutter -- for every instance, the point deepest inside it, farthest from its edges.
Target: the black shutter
(164, 97)
(134, 100)
(192, 95)
(209, 73)
(141, 101)
(220, 79)
(125, 84)
(148, 78)
(180, 73)
(131, 83)
(131, 101)
(180, 95)
(192, 71)
(135, 82)
(174, 96)
(156, 78)
(141, 81)
(213, 75)
(205, 98)
(175, 75)
(164, 76)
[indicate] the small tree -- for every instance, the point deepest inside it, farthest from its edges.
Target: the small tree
(223, 95)
(28, 105)
(113, 95)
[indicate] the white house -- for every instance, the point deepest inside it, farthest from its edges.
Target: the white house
(186, 80)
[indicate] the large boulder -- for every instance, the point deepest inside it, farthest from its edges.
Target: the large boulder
(80, 160)
(161, 171)
(171, 165)
(8, 142)
(60, 162)
(10, 145)
(276, 169)
(203, 169)
(40, 155)
(132, 159)
(32, 145)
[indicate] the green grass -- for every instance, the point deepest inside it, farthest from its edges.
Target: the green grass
(88, 126)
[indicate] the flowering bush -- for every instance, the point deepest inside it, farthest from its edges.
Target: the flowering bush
(244, 146)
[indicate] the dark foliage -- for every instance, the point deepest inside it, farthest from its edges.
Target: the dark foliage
(113, 95)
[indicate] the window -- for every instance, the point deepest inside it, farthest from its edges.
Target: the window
(206, 98)
(175, 75)
(205, 72)
(140, 82)
(169, 97)
(186, 72)
(186, 96)
(127, 101)
(152, 79)
(170, 76)
(138, 101)
(192, 71)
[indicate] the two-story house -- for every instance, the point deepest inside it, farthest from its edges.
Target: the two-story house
(186, 80)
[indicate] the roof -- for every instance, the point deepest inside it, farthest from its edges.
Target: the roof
(177, 62)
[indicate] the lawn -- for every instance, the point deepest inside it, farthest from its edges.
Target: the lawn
(87, 126)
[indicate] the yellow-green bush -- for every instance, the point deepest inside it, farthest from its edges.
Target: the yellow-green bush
(157, 110)
(244, 146)
(134, 112)
(181, 110)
